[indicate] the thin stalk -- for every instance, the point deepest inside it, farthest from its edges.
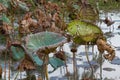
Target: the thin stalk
(86, 50)
(74, 66)
(9, 67)
(46, 68)
(5, 66)
(101, 66)
(93, 51)
(16, 75)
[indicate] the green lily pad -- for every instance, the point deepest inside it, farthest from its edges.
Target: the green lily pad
(55, 62)
(42, 40)
(18, 53)
(83, 31)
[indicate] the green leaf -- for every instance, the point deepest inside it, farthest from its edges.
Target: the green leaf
(44, 39)
(6, 3)
(23, 6)
(18, 53)
(2, 39)
(83, 31)
(5, 19)
(55, 62)
(36, 59)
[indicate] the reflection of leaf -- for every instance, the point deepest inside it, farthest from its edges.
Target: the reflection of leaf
(5, 19)
(84, 30)
(56, 62)
(44, 39)
(17, 53)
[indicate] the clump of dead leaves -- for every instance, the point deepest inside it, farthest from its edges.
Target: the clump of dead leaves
(104, 46)
(46, 19)
(26, 64)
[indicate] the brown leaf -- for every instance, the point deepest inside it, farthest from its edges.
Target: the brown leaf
(6, 29)
(103, 46)
(2, 8)
(26, 64)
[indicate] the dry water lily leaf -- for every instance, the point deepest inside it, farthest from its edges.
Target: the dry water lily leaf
(26, 64)
(103, 46)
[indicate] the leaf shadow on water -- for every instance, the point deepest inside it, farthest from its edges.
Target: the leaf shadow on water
(116, 61)
(83, 53)
(85, 65)
(58, 78)
(109, 69)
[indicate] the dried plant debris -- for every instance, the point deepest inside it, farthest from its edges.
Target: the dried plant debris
(26, 64)
(60, 55)
(2, 8)
(6, 29)
(104, 46)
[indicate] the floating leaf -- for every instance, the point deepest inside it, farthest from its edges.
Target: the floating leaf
(44, 39)
(18, 53)
(55, 62)
(83, 31)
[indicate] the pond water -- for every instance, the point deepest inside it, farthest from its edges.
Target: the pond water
(110, 70)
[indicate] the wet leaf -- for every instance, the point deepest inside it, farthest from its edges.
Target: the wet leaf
(83, 31)
(17, 53)
(56, 62)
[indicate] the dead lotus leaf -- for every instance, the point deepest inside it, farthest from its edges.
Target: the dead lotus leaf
(26, 64)
(2, 8)
(103, 46)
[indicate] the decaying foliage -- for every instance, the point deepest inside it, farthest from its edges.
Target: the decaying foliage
(26, 64)
(103, 46)
(60, 55)
(2, 8)
(6, 29)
